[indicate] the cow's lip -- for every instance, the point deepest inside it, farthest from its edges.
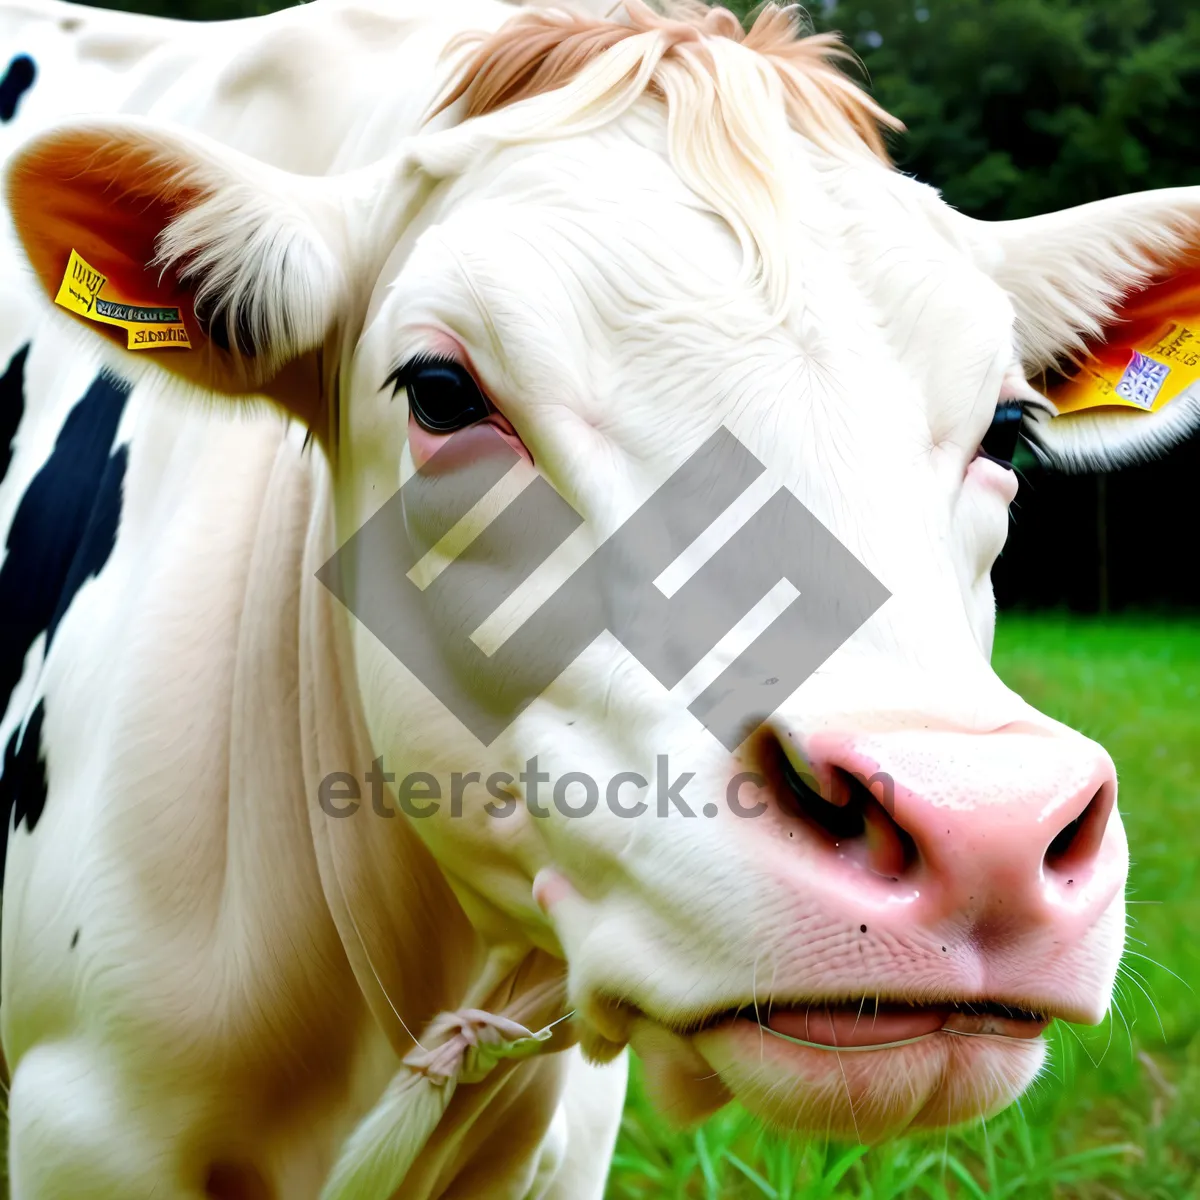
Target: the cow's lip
(871, 1024)
(853, 1021)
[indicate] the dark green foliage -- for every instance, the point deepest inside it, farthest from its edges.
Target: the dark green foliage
(1017, 107)
(195, 10)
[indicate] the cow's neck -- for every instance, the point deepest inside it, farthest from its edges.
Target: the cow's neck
(409, 943)
(411, 948)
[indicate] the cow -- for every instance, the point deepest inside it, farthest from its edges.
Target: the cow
(278, 920)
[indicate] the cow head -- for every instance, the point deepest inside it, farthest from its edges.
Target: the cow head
(857, 911)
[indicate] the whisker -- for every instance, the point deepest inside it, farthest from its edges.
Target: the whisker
(858, 1016)
(762, 1050)
(1131, 975)
(1082, 1045)
(1161, 967)
(1128, 1028)
(849, 1098)
(1108, 1043)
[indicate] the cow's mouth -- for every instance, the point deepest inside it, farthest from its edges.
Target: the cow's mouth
(872, 1023)
(848, 1069)
(858, 1068)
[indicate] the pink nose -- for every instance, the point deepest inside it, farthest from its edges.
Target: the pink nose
(1004, 832)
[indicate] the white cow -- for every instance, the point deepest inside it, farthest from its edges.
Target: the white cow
(230, 968)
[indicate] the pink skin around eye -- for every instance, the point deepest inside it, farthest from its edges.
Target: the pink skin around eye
(424, 445)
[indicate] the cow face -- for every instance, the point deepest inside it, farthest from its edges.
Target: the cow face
(698, 893)
(856, 902)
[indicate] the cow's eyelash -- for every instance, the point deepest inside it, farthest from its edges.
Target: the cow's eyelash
(401, 375)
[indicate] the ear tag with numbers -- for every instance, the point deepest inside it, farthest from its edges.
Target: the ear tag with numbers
(1151, 355)
(148, 327)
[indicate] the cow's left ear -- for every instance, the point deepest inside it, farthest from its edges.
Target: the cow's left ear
(125, 221)
(1107, 300)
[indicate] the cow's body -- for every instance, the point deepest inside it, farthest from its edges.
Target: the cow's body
(179, 1014)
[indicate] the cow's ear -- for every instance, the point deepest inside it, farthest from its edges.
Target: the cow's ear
(253, 258)
(1107, 300)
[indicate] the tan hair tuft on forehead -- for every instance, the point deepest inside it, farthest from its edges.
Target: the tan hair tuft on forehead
(734, 103)
(539, 51)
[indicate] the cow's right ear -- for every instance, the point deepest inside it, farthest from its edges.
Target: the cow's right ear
(255, 259)
(1107, 304)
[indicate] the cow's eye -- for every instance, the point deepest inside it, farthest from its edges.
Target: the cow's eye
(1000, 442)
(442, 394)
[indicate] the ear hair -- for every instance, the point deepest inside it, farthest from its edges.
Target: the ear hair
(1067, 272)
(1107, 440)
(261, 263)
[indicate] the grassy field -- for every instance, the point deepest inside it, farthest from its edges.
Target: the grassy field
(1118, 1114)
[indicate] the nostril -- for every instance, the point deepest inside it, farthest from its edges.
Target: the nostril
(891, 849)
(1062, 843)
(852, 817)
(1078, 842)
(803, 796)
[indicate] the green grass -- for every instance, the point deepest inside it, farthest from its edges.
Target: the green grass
(1118, 1113)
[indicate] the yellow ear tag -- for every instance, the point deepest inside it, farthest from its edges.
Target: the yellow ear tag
(1151, 354)
(148, 328)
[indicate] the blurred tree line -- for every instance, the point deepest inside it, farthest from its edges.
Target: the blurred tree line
(1016, 107)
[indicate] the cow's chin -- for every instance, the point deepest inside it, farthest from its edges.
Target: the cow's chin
(863, 1095)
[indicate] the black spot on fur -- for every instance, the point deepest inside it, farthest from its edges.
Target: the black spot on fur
(12, 405)
(63, 532)
(99, 536)
(23, 784)
(64, 527)
(75, 939)
(18, 79)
